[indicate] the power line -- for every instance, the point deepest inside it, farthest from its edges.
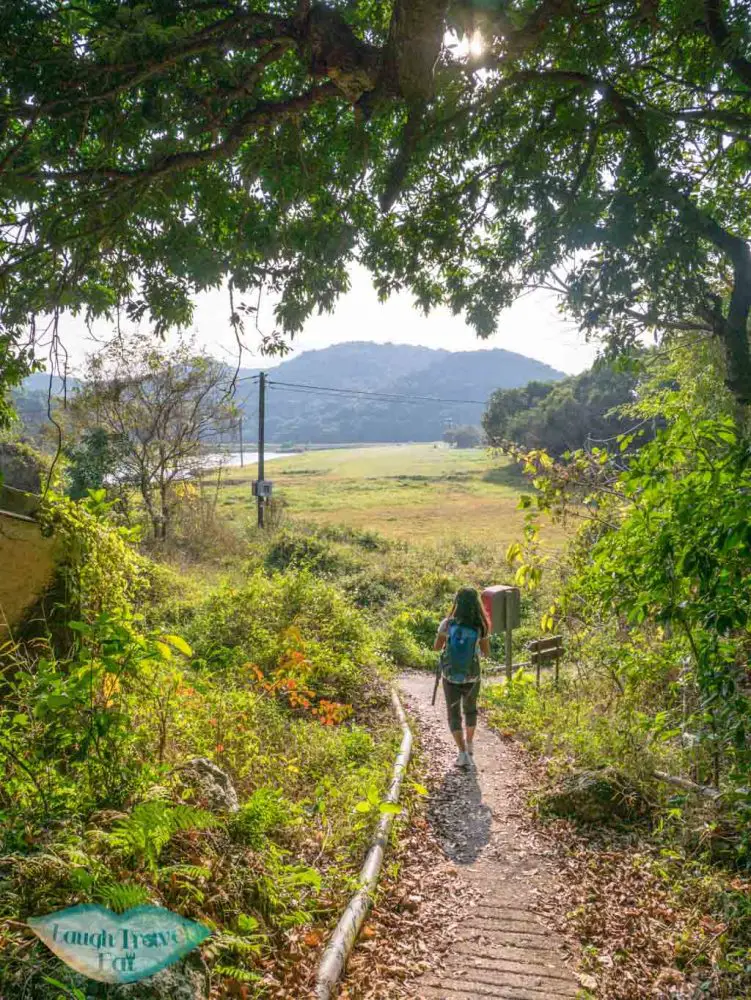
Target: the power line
(303, 387)
(384, 396)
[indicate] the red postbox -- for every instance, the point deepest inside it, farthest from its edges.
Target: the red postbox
(503, 607)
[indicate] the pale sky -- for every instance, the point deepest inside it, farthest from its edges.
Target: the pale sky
(532, 326)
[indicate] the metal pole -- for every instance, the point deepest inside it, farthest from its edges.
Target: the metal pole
(261, 439)
(345, 934)
(509, 660)
(242, 457)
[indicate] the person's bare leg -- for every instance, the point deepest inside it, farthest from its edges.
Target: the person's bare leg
(459, 739)
(470, 738)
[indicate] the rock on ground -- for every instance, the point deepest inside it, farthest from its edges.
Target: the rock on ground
(212, 786)
(186, 980)
(600, 796)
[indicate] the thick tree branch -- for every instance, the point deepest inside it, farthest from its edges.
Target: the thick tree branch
(245, 30)
(412, 49)
(732, 327)
(263, 114)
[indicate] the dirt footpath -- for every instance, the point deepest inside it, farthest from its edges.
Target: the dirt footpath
(501, 948)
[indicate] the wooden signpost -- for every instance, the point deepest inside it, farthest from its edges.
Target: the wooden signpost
(543, 652)
(503, 607)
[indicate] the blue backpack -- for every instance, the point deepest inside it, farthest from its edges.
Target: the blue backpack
(459, 657)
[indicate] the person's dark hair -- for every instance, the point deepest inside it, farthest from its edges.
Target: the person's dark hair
(468, 610)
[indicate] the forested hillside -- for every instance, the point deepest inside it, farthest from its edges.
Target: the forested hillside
(587, 409)
(297, 418)
(391, 369)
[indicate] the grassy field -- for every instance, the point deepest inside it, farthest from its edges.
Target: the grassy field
(424, 493)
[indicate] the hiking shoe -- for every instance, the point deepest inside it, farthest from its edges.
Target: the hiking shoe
(463, 760)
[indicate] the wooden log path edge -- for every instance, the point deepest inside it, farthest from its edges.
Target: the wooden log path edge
(334, 959)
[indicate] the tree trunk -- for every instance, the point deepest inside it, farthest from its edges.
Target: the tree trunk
(732, 328)
(164, 508)
(734, 331)
(149, 505)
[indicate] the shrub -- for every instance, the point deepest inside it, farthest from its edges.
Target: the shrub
(275, 512)
(358, 745)
(294, 550)
(166, 594)
(435, 588)
(266, 813)
(369, 541)
(423, 625)
(98, 567)
(372, 588)
(270, 618)
(197, 531)
(91, 462)
(409, 639)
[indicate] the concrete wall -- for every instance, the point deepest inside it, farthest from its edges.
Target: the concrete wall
(27, 561)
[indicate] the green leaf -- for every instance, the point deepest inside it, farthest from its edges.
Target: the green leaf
(179, 644)
(69, 992)
(80, 627)
(390, 808)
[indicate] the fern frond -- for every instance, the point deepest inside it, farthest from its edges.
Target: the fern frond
(151, 825)
(190, 818)
(239, 975)
(241, 945)
(122, 896)
(187, 871)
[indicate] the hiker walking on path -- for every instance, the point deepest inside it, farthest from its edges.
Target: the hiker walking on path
(462, 638)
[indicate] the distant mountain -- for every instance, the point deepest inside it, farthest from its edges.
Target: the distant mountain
(309, 416)
(354, 365)
(300, 417)
(31, 399)
(40, 382)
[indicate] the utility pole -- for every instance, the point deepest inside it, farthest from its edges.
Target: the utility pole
(242, 457)
(261, 439)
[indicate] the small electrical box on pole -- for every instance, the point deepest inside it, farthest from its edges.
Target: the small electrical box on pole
(262, 488)
(503, 607)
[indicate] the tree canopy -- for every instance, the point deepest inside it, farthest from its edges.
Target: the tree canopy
(152, 411)
(463, 436)
(587, 409)
(150, 150)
